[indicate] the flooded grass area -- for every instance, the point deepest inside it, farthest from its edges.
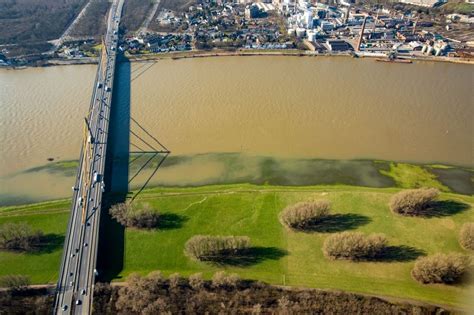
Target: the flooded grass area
(231, 168)
(65, 168)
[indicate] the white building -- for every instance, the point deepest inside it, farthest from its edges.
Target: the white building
(308, 19)
(423, 3)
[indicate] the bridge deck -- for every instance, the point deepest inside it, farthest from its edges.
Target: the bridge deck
(76, 279)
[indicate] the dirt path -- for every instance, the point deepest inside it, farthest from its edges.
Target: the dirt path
(146, 23)
(58, 42)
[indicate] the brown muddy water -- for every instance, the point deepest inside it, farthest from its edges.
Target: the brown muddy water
(241, 119)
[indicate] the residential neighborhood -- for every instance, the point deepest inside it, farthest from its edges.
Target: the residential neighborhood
(404, 30)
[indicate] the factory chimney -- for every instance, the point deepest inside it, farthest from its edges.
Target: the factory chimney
(375, 21)
(346, 16)
(414, 26)
(361, 33)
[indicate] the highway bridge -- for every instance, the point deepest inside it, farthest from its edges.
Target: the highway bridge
(75, 286)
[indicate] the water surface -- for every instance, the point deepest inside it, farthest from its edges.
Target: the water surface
(279, 108)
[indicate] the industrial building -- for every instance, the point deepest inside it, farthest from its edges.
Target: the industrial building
(336, 45)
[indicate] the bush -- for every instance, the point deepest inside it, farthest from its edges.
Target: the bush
(206, 247)
(218, 279)
(19, 236)
(440, 268)
(156, 277)
(15, 282)
(126, 215)
(466, 236)
(413, 201)
(196, 282)
(221, 280)
(304, 213)
(354, 246)
(174, 280)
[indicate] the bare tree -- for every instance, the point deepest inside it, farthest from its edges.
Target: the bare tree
(129, 216)
(354, 245)
(19, 236)
(466, 236)
(303, 213)
(196, 281)
(206, 247)
(174, 280)
(413, 201)
(15, 282)
(440, 268)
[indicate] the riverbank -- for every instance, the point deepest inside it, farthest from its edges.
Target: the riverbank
(232, 168)
(289, 258)
(293, 53)
(240, 52)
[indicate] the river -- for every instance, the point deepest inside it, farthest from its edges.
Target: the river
(279, 107)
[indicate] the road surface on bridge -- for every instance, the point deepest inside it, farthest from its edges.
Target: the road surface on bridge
(75, 286)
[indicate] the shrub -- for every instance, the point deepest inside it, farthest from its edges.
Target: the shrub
(304, 213)
(440, 268)
(156, 277)
(206, 247)
(354, 245)
(413, 201)
(220, 280)
(126, 215)
(174, 280)
(196, 281)
(15, 282)
(466, 236)
(19, 236)
(232, 280)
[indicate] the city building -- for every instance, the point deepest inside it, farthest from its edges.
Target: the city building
(338, 45)
(424, 3)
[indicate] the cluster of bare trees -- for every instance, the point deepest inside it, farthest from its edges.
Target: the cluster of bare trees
(413, 202)
(354, 246)
(19, 236)
(15, 282)
(222, 280)
(440, 268)
(128, 216)
(302, 214)
(227, 294)
(466, 236)
(207, 247)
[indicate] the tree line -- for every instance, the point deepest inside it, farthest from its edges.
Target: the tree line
(228, 294)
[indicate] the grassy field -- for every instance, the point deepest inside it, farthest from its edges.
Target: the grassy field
(282, 256)
(51, 218)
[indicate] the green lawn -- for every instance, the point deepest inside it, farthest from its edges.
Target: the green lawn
(51, 218)
(286, 257)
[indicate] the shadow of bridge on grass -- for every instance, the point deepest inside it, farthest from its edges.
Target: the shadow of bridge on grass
(111, 249)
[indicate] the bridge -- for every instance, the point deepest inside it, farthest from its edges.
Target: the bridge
(75, 286)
